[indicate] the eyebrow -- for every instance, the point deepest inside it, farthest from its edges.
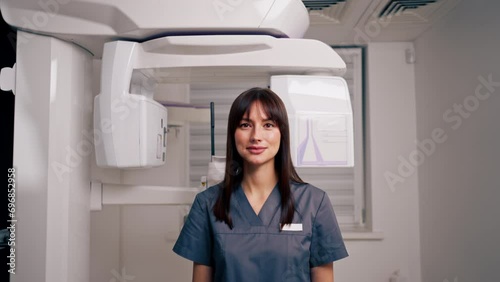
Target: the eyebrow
(247, 119)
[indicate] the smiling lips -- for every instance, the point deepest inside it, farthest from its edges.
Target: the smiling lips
(256, 149)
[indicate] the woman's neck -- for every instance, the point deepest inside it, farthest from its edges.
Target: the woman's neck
(259, 181)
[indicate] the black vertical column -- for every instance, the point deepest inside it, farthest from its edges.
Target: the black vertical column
(7, 59)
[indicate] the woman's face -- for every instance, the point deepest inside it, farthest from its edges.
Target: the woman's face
(257, 138)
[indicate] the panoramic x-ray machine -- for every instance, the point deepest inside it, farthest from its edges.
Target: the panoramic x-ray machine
(59, 124)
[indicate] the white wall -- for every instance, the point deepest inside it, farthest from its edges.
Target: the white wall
(391, 131)
(459, 184)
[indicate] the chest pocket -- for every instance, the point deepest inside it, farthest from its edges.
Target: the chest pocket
(259, 253)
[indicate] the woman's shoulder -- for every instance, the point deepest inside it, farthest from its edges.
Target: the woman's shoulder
(306, 189)
(209, 195)
(308, 198)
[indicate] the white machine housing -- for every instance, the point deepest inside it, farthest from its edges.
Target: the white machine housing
(320, 115)
(133, 135)
(130, 70)
(171, 41)
(91, 23)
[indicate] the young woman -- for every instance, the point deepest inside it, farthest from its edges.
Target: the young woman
(262, 223)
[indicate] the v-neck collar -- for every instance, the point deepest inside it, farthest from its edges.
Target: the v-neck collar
(266, 213)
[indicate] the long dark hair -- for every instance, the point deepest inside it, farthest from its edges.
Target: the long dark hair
(275, 110)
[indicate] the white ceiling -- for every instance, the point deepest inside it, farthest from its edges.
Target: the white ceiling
(359, 21)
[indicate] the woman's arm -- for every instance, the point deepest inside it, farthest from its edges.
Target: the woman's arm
(202, 273)
(322, 273)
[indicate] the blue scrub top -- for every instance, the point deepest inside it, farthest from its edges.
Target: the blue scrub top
(255, 249)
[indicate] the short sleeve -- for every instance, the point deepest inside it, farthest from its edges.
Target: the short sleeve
(195, 242)
(327, 244)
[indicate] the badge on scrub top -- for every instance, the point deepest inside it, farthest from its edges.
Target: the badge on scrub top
(292, 227)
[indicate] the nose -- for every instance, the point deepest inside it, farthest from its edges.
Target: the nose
(256, 134)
